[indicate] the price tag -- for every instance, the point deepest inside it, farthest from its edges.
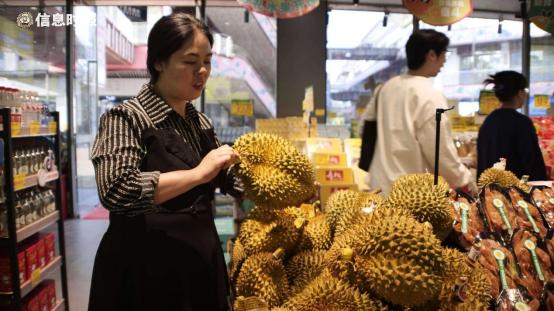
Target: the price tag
(34, 128)
(319, 112)
(465, 216)
(52, 126)
(500, 205)
(19, 182)
(16, 128)
(530, 245)
(525, 208)
(499, 255)
(35, 277)
(542, 101)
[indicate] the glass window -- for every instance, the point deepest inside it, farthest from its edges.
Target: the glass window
(477, 49)
(542, 74)
(243, 68)
(369, 54)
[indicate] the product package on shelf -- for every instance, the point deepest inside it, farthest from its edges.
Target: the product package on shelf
(545, 132)
(468, 225)
(5, 272)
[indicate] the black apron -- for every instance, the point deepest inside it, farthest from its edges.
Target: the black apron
(170, 260)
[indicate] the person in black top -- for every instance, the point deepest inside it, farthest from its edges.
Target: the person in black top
(509, 134)
(157, 163)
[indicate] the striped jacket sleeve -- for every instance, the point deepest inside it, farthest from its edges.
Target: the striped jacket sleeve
(116, 156)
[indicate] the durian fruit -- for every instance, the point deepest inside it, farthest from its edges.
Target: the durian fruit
(275, 174)
(337, 203)
(365, 203)
(461, 275)
(316, 234)
(341, 263)
(263, 275)
(401, 258)
(252, 303)
(417, 180)
(238, 255)
(329, 293)
(303, 268)
(426, 202)
(256, 236)
(497, 176)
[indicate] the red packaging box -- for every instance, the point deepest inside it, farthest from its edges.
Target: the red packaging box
(44, 299)
(41, 253)
(32, 304)
(32, 259)
(50, 286)
(49, 246)
(5, 272)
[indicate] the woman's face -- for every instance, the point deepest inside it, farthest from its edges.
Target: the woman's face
(185, 74)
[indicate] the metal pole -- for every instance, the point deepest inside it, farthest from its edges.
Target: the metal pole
(415, 24)
(61, 229)
(10, 205)
(71, 148)
(438, 115)
(205, 20)
(526, 50)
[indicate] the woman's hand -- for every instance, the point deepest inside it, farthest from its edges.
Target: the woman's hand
(215, 161)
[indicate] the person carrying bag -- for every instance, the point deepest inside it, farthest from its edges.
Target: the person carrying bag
(368, 131)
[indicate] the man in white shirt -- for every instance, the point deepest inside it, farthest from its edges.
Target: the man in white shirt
(406, 120)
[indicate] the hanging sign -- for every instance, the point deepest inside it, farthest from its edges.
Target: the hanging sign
(542, 14)
(242, 107)
(439, 12)
(280, 8)
(488, 102)
(542, 101)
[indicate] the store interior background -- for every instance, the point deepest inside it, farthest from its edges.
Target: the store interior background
(341, 49)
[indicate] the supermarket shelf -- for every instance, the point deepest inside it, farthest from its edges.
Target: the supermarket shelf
(59, 305)
(34, 135)
(32, 180)
(28, 286)
(38, 225)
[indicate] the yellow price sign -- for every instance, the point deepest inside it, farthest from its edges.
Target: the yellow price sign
(52, 126)
(34, 128)
(542, 101)
(242, 108)
(488, 102)
(16, 128)
(35, 277)
(19, 182)
(319, 112)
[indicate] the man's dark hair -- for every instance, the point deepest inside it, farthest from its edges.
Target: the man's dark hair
(168, 35)
(421, 42)
(507, 84)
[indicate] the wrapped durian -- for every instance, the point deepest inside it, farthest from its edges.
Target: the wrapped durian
(426, 202)
(329, 293)
(401, 258)
(263, 275)
(465, 286)
(275, 174)
(304, 267)
(316, 234)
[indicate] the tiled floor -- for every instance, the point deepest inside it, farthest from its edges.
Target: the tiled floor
(81, 242)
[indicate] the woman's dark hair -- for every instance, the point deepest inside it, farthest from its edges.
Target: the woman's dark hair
(168, 35)
(421, 42)
(507, 84)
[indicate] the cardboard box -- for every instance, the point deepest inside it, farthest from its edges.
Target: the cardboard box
(50, 246)
(325, 158)
(5, 271)
(44, 299)
(334, 176)
(352, 148)
(31, 260)
(50, 286)
(41, 253)
(326, 191)
(32, 303)
(314, 144)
